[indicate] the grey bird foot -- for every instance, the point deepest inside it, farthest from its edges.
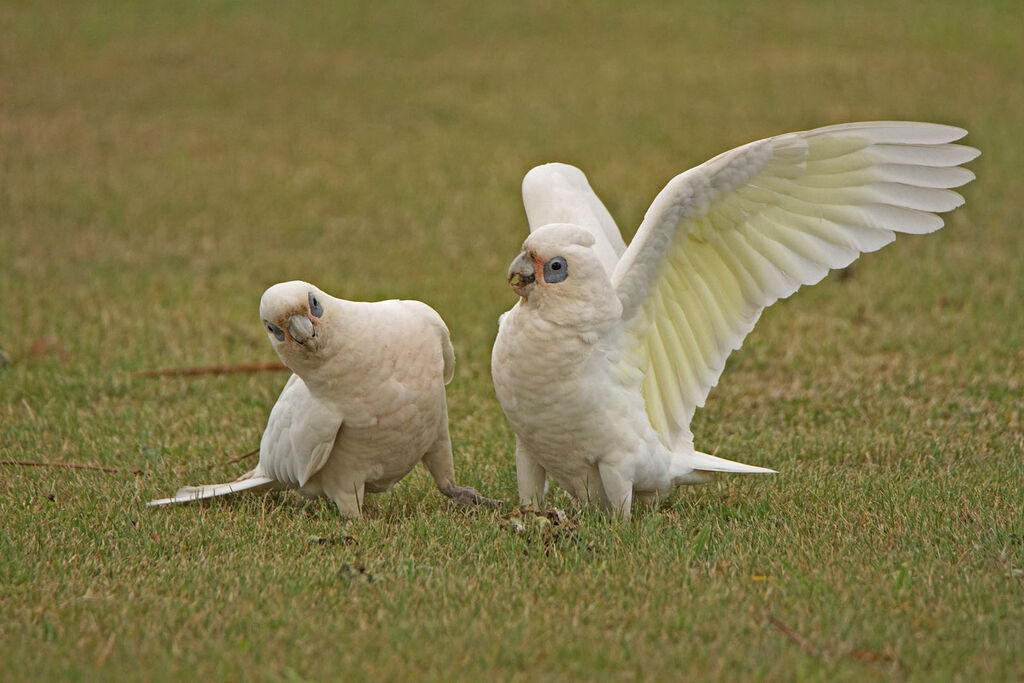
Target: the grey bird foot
(467, 495)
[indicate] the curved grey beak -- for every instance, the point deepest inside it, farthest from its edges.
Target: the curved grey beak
(301, 328)
(521, 275)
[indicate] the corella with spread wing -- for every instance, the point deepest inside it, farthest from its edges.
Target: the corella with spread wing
(366, 401)
(610, 349)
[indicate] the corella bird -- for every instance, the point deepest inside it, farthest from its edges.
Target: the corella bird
(366, 402)
(610, 349)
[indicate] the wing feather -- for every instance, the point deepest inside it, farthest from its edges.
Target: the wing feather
(929, 156)
(701, 328)
(726, 239)
(560, 193)
(682, 340)
(717, 326)
(921, 176)
(671, 388)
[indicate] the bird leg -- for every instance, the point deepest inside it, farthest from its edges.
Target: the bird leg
(347, 494)
(617, 489)
(531, 477)
(438, 462)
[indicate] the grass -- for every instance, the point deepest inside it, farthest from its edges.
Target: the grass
(160, 165)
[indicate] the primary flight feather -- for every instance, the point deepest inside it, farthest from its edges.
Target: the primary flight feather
(365, 404)
(611, 348)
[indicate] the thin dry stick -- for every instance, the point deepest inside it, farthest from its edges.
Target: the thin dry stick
(869, 656)
(874, 656)
(794, 636)
(232, 461)
(243, 456)
(70, 466)
(264, 366)
(115, 470)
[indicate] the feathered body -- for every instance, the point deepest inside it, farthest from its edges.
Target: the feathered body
(385, 374)
(601, 364)
(570, 378)
(365, 404)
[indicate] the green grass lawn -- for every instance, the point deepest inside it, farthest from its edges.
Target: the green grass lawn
(161, 164)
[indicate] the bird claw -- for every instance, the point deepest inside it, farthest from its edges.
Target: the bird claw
(469, 496)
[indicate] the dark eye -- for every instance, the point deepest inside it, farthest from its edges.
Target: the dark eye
(274, 330)
(556, 270)
(315, 309)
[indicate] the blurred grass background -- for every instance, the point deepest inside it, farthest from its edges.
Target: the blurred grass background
(161, 164)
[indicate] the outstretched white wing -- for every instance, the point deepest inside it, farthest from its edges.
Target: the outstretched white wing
(726, 239)
(559, 193)
(300, 434)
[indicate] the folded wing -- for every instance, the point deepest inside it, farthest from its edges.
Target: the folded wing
(726, 239)
(300, 435)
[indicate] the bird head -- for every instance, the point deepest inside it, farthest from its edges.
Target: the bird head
(292, 313)
(559, 270)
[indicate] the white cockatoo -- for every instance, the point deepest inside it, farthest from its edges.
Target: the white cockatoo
(610, 349)
(366, 402)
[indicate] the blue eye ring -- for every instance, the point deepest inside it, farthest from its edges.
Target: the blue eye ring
(274, 330)
(556, 270)
(316, 309)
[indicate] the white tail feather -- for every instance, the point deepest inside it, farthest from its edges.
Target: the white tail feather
(187, 494)
(688, 468)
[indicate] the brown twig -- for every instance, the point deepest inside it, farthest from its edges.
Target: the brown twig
(874, 657)
(243, 456)
(69, 465)
(794, 636)
(232, 461)
(263, 366)
(862, 655)
(115, 470)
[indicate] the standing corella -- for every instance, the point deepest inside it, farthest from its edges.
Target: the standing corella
(366, 402)
(610, 349)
